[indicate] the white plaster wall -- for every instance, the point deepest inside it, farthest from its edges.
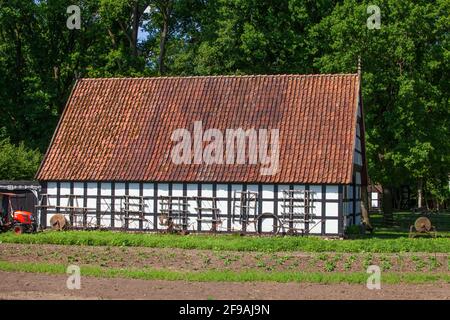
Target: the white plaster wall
(177, 190)
(332, 209)
(133, 189)
(268, 191)
(317, 190)
(332, 192)
(78, 188)
(223, 206)
(207, 190)
(316, 227)
(222, 191)
(331, 226)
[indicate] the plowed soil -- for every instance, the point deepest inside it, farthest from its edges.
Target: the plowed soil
(202, 260)
(16, 285)
(42, 286)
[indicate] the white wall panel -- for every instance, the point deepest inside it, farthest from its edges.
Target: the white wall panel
(235, 227)
(52, 188)
(148, 206)
(133, 224)
(268, 191)
(192, 190)
(222, 191)
(163, 189)
(133, 189)
(105, 204)
(317, 190)
(92, 189)
(280, 191)
(207, 190)
(118, 223)
(280, 208)
(331, 226)
(105, 189)
(251, 227)
(223, 206)
(331, 209)
(317, 210)
(236, 187)
(316, 227)
(192, 204)
(268, 207)
(299, 226)
(267, 224)
(78, 188)
(332, 192)
(148, 190)
(105, 221)
(64, 191)
(177, 190)
(92, 203)
(91, 220)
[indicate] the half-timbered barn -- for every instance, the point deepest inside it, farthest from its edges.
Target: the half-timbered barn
(109, 163)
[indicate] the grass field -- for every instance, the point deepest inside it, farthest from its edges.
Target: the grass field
(210, 258)
(229, 276)
(383, 240)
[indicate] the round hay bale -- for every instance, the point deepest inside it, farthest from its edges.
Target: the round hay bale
(59, 222)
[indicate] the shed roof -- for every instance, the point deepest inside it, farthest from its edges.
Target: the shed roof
(119, 129)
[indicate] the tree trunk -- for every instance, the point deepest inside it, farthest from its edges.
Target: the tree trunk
(420, 193)
(135, 31)
(365, 208)
(388, 216)
(163, 42)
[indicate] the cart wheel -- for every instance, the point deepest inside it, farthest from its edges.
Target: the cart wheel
(18, 230)
(276, 223)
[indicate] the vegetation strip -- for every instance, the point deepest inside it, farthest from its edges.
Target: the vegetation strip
(231, 242)
(224, 276)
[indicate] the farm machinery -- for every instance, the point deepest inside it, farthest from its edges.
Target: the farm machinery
(17, 220)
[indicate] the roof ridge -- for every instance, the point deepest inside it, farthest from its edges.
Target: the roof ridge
(226, 76)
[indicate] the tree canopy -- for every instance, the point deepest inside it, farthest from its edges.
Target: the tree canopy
(406, 64)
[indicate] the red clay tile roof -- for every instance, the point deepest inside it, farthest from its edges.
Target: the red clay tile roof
(120, 129)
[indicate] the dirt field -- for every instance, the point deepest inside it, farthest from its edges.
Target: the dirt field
(43, 286)
(15, 285)
(203, 260)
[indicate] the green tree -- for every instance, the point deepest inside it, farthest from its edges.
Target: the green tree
(17, 162)
(405, 83)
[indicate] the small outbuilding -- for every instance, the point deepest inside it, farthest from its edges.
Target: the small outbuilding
(156, 154)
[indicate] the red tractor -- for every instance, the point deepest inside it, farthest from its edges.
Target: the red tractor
(17, 220)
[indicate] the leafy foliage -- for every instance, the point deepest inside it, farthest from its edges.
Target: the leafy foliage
(406, 63)
(17, 162)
